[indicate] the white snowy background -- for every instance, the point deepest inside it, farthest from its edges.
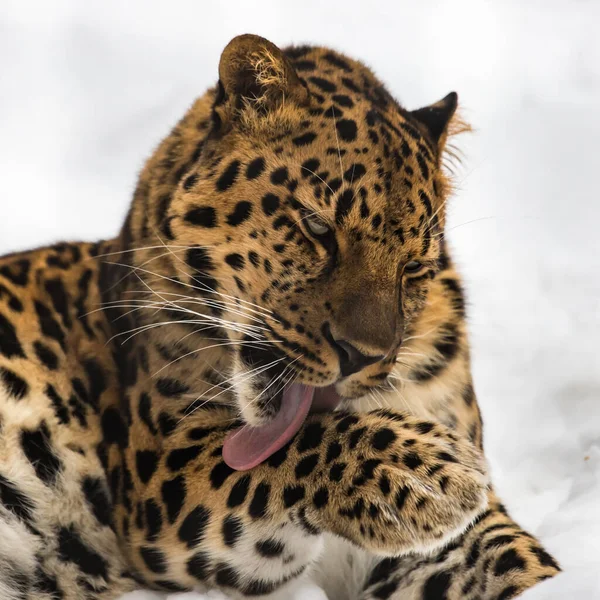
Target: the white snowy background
(88, 88)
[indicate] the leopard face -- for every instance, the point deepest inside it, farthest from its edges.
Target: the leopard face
(309, 226)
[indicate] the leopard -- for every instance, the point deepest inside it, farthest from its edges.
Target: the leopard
(264, 378)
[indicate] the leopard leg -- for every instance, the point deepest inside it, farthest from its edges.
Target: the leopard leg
(387, 482)
(494, 560)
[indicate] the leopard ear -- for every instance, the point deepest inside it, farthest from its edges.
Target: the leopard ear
(254, 72)
(436, 118)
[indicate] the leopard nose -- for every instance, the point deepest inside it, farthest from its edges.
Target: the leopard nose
(351, 358)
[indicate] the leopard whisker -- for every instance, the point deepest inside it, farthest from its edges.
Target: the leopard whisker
(402, 353)
(438, 210)
(193, 299)
(224, 306)
(228, 324)
(157, 306)
(422, 335)
(288, 381)
(238, 377)
(272, 382)
(178, 282)
(231, 297)
(319, 178)
(137, 330)
(280, 376)
(138, 249)
(246, 375)
(225, 342)
(187, 300)
(116, 283)
(401, 396)
(337, 141)
(442, 234)
(396, 377)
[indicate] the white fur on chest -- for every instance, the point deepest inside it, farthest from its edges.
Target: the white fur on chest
(343, 569)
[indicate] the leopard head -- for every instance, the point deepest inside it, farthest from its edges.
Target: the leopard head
(309, 220)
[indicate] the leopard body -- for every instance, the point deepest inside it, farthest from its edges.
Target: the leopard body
(289, 229)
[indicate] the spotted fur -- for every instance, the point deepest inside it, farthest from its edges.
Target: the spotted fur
(290, 227)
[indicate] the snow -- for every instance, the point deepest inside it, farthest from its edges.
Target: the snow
(88, 88)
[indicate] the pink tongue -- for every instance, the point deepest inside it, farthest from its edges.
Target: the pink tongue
(248, 446)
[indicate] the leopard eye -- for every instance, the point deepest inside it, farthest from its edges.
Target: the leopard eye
(412, 267)
(316, 226)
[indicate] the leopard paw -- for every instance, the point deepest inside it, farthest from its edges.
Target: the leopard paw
(404, 485)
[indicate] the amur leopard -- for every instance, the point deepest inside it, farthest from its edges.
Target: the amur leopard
(264, 378)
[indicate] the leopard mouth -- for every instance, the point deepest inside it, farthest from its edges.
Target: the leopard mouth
(248, 446)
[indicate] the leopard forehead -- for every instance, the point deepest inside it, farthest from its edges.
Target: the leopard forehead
(355, 173)
(351, 156)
